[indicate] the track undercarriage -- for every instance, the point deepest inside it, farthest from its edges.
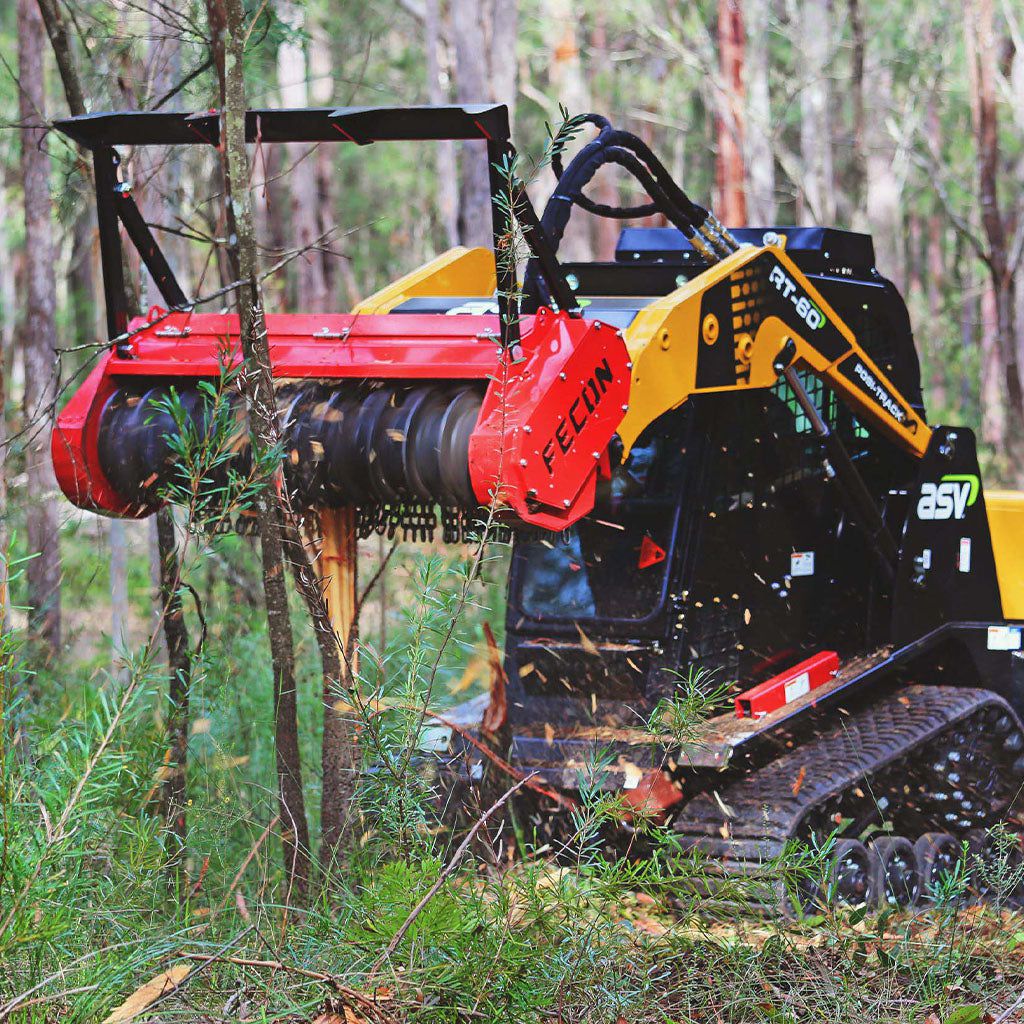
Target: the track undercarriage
(911, 798)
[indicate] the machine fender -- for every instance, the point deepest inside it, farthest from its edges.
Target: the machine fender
(946, 568)
(74, 448)
(547, 419)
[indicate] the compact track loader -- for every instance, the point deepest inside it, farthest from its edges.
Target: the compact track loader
(711, 453)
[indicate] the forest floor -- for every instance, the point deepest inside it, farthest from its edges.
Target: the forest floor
(93, 927)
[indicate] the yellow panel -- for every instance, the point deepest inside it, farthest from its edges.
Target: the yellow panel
(666, 338)
(459, 271)
(1006, 522)
(662, 344)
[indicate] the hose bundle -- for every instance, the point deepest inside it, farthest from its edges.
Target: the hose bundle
(701, 227)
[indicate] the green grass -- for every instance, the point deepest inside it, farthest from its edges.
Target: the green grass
(87, 913)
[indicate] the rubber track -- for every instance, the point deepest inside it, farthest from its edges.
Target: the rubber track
(769, 806)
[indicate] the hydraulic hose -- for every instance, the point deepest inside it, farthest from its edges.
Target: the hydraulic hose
(705, 232)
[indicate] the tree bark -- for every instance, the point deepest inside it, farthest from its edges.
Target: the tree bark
(259, 391)
(884, 189)
(56, 29)
(174, 796)
(858, 174)
(118, 593)
(5, 537)
(606, 185)
(43, 571)
(338, 751)
(730, 179)
(278, 535)
(503, 32)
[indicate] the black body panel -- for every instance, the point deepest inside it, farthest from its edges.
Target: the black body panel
(764, 562)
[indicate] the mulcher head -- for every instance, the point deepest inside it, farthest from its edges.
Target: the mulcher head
(395, 415)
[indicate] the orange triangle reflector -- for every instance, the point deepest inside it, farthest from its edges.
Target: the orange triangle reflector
(650, 554)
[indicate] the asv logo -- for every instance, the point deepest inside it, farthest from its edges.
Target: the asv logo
(948, 499)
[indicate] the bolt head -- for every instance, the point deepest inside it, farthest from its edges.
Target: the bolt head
(522, 462)
(566, 502)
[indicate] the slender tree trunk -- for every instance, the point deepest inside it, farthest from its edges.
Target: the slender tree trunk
(568, 86)
(758, 152)
(939, 379)
(8, 334)
(56, 29)
(338, 752)
(259, 391)
(175, 798)
(815, 44)
(437, 93)
(469, 32)
(504, 28)
(118, 593)
(606, 185)
(730, 178)
(981, 31)
(311, 295)
(127, 72)
(993, 408)
(5, 537)
(43, 571)
(857, 175)
(321, 90)
(883, 194)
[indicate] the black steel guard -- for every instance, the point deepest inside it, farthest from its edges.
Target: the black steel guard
(103, 132)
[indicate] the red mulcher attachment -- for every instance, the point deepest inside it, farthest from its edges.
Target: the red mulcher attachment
(384, 411)
(392, 414)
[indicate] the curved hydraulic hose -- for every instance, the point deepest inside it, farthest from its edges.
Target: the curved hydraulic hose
(576, 177)
(613, 145)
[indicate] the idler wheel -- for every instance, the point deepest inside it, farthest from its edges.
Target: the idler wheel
(938, 854)
(851, 880)
(897, 877)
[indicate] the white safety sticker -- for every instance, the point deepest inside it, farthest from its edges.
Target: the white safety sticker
(963, 562)
(798, 687)
(1004, 638)
(801, 563)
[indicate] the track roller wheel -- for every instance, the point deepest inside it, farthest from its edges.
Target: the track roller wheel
(895, 871)
(937, 855)
(850, 877)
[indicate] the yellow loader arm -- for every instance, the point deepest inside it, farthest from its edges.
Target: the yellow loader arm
(736, 326)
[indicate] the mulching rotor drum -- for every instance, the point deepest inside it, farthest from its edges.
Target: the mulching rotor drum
(354, 443)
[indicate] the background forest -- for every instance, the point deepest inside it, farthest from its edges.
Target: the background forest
(140, 811)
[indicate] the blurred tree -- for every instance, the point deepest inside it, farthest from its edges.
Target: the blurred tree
(39, 341)
(758, 150)
(730, 174)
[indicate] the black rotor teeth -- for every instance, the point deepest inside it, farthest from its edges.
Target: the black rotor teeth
(394, 450)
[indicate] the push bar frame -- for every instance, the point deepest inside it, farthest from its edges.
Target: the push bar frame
(101, 133)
